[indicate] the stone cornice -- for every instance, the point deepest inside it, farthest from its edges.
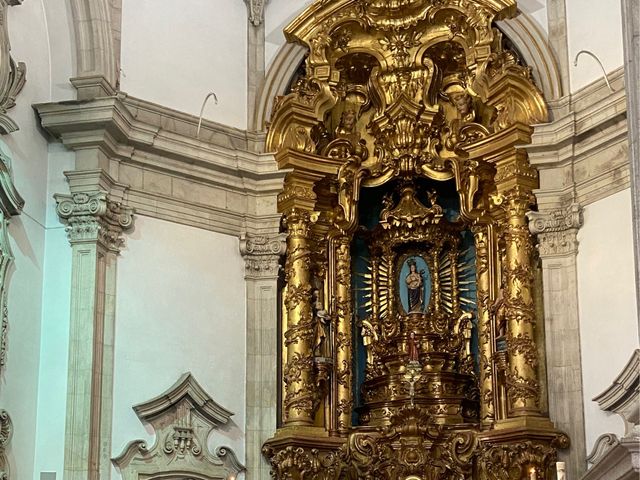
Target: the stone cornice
(582, 154)
(623, 396)
(215, 180)
(185, 388)
(590, 109)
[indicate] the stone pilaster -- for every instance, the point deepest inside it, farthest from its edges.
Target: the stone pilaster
(631, 40)
(262, 255)
(95, 223)
(558, 248)
(255, 58)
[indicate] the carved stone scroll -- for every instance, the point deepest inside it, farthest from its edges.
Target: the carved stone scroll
(12, 74)
(11, 203)
(262, 254)
(183, 418)
(557, 230)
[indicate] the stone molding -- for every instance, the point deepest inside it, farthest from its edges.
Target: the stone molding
(534, 45)
(94, 218)
(557, 230)
(215, 182)
(582, 156)
(182, 418)
(601, 448)
(613, 458)
(12, 74)
(262, 254)
(623, 396)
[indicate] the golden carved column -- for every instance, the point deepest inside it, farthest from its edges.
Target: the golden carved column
(483, 240)
(300, 393)
(522, 383)
(344, 313)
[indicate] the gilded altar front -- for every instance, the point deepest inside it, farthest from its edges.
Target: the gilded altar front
(408, 302)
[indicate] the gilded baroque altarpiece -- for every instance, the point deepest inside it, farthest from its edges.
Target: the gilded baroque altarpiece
(408, 303)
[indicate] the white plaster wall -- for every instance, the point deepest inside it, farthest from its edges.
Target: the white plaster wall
(180, 307)
(278, 14)
(595, 26)
(62, 49)
(54, 342)
(175, 52)
(608, 317)
(19, 387)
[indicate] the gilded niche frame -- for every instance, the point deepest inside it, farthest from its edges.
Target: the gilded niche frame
(396, 92)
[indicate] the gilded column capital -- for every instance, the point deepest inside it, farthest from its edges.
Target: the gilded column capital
(557, 230)
(262, 254)
(94, 217)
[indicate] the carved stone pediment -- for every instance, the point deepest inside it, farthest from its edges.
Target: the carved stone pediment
(183, 418)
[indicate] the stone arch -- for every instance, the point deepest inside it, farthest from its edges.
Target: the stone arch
(97, 26)
(533, 44)
(278, 78)
(522, 30)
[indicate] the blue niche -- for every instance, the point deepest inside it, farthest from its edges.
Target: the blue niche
(414, 284)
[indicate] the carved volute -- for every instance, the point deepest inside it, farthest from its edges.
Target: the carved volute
(408, 252)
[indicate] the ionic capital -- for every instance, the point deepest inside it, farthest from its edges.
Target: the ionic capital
(94, 217)
(262, 254)
(557, 230)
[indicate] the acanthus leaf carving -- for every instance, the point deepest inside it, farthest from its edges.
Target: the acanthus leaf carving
(94, 217)
(262, 253)
(557, 230)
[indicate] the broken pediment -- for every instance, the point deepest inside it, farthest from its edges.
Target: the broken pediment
(183, 418)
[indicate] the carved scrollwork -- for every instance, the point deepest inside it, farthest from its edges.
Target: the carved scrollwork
(183, 418)
(94, 217)
(12, 74)
(262, 254)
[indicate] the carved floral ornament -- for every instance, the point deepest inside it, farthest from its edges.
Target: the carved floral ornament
(183, 418)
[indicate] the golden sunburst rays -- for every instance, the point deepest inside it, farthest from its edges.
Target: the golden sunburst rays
(465, 268)
(376, 284)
